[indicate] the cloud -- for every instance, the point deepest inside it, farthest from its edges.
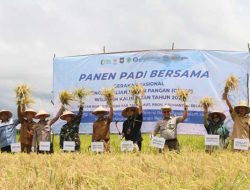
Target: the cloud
(33, 31)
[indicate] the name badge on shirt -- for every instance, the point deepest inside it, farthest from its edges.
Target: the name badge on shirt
(44, 146)
(241, 144)
(69, 145)
(127, 146)
(213, 140)
(97, 147)
(158, 142)
(15, 147)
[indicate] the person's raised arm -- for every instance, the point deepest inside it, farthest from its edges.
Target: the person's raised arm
(20, 110)
(59, 113)
(111, 112)
(185, 113)
(140, 106)
(79, 115)
(205, 116)
(225, 97)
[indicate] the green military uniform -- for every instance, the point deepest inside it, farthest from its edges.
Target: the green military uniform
(70, 131)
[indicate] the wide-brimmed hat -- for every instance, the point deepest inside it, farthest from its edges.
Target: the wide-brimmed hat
(242, 104)
(66, 113)
(6, 112)
(125, 111)
(216, 112)
(100, 109)
(29, 110)
(166, 107)
(42, 113)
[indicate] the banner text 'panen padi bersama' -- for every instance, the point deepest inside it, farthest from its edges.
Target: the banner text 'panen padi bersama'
(161, 72)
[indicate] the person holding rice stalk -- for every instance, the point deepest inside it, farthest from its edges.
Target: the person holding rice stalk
(7, 130)
(167, 127)
(101, 127)
(214, 124)
(25, 117)
(132, 125)
(42, 132)
(70, 130)
(239, 113)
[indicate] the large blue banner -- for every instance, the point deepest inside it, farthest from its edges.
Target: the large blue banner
(161, 72)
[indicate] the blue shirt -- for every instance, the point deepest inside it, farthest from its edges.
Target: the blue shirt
(8, 132)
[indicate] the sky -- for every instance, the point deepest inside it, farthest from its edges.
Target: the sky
(32, 31)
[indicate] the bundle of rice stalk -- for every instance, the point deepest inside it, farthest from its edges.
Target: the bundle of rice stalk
(27, 101)
(136, 89)
(231, 83)
(65, 97)
(22, 91)
(81, 93)
(109, 94)
(183, 94)
(206, 102)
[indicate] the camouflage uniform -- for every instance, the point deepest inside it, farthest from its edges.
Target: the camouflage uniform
(70, 131)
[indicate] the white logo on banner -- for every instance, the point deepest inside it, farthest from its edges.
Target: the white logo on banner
(127, 146)
(213, 140)
(97, 146)
(158, 142)
(241, 144)
(44, 146)
(15, 147)
(69, 145)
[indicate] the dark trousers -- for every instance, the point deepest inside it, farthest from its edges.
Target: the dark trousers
(6, 149)
(25, 148)
(172, 144)
(139, 143)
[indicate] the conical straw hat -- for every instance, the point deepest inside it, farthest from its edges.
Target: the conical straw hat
(125, 111)
(42, 113)
(65, 113)
(29, 110)
(6, 112)
(100, 109)
(216, 112)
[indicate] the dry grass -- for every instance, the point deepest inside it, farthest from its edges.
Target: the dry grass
(23, 95)
(136, 89)
(109, 94)
(66, 97)
(207, 102)
(231, 83)
(191, 169)
(183, 94)
(27, 101)
(187, 170)
(22, 91)
(81, 93)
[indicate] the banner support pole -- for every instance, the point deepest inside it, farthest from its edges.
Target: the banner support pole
(248, 93)
(173, 46)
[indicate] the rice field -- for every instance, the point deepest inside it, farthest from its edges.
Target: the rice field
(191, 169)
